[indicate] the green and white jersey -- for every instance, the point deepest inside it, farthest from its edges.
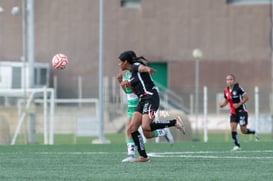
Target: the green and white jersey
(131, 96)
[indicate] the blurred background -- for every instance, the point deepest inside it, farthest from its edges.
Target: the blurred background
(84, 100)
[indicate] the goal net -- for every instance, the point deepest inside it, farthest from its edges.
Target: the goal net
(35, 116)
(19, 104)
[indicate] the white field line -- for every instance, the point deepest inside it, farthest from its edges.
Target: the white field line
(193, 154)
(158, 155)
(211, 154)
(216, 152)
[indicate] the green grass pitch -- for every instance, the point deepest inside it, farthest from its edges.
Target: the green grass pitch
(183, 161)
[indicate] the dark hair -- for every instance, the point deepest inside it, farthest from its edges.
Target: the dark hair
(131, 57)
(127, 55)
(141, 60)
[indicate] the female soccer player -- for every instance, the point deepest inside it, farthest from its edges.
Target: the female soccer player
(143, 86)
(236, 97)
(132, 102)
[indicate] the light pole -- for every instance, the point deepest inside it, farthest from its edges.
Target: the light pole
(101, 71)
(101, 139)
(197, 54)
(28, 52)
(1, 11)
(271, 94)
(16, 11)
(28, 42)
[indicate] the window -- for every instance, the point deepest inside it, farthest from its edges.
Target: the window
(41, 76)
(130, 3)
(16, 78)
(12, 75)
(248, 2)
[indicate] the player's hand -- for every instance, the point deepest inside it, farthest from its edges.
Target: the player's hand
(119, 77)
(236, 105)
(125, 83)
(223, 103)
(152, 71)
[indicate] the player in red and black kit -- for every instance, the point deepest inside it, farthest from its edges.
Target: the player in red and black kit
(236, 97)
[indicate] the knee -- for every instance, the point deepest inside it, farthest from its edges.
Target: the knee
(146, 128)
(243, 130)
(131, 128)
(233, 127)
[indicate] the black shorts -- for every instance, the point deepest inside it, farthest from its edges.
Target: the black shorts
(148, 104)
(240, 117)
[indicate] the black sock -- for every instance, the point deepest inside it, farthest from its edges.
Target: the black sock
(160, 124)
(139, 143)
(235, 138)
(249, 131)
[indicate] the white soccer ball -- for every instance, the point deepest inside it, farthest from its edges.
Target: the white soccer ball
(59, 61)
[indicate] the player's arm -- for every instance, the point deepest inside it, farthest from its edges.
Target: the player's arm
(223, 103)
(125, 84)
(121, 83)
(143, 68)
(245, 98)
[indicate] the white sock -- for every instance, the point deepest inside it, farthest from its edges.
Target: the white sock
(161, 132)
(131, 149)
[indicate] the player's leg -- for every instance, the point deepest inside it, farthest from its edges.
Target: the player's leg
(169, 136)
(234, 135)
(130, 141)
(246, 130)
(161, 124)
(150, 107)
(243, 125)
(153, 128)
(166, 133)
(133, 129)
(142, 134)
(130, 146)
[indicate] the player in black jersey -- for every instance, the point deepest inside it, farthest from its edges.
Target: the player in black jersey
(143, 86)
(236, 97)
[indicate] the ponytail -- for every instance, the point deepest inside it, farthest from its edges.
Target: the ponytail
(141, 60)
(131, 57)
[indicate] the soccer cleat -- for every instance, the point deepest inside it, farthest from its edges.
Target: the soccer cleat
(236, 148)
(257, 138)
(142, 159)
(180, 125)
(130, 158)
(168, 136)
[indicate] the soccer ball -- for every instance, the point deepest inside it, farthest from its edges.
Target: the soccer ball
(59, 61)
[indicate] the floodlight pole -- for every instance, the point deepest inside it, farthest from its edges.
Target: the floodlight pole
(101, 78)
(101, 72)
(24, 48)
(1, 11)
(271, 96)
(30, 57)
(197, 54)
(30, 41)
(196, 98)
